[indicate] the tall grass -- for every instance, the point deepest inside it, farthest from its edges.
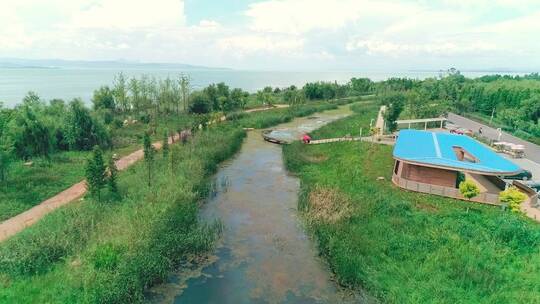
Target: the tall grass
(406, 247)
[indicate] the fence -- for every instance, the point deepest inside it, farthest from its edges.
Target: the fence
(484, 198)
(533, 195)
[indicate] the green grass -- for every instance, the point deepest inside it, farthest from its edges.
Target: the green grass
(406, 247)
(26, 186)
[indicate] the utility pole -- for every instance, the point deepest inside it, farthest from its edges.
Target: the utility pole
(492, 114)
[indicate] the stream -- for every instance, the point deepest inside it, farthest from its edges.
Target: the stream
(264, 254)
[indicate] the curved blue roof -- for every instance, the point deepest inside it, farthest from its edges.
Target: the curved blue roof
(437, 149)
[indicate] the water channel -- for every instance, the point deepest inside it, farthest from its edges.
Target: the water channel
(264, 255)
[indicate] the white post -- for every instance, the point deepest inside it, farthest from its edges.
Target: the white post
(425, 125)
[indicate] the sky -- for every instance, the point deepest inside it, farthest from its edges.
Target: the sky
(279, 34)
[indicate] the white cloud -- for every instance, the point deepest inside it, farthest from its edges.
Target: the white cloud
(393, 49)
(290, 33)
(255, 43)
(301, 16)
(128, 14)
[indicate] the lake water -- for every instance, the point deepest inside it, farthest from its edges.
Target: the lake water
(68, 83)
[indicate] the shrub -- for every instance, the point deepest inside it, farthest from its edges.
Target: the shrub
(469, 189)
(106, 256)
(513, 198)
(96, 172)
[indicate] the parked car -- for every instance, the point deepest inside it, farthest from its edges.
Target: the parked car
(534, 185)
(462, 131)
(523, 175)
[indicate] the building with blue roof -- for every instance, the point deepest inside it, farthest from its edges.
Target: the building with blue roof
(435, 158)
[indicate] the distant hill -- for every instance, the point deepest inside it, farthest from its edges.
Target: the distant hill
(17, 63)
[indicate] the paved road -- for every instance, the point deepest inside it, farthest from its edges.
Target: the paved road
(532, 151)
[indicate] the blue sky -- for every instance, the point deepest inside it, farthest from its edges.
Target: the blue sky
(280, 34)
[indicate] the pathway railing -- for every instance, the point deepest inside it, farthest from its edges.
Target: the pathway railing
(484, 198)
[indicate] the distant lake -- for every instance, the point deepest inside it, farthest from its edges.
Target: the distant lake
(68, 83)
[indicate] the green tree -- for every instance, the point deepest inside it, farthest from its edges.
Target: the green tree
(468, 189)
(200, 103)
(6, 158)
(82, 131)
(120, 91)
(361, 85)
(149, 155)
(96, 172)
(30, 134)
(513, 198)
(185, 88)
(104, 99)
(394, 102)
(165, 145)
(239, 98)
(265, 97)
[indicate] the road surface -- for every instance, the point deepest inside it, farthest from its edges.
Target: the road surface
(532, 151)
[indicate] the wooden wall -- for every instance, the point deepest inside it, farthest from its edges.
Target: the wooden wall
(428, 175)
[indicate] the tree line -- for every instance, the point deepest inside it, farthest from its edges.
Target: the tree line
(38, 128)
(514, 101)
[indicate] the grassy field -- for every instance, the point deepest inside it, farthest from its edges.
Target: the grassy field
(27, 186)
(405, 247)
(111, 251)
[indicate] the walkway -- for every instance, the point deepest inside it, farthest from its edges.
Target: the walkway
(382, 141)
(19, 222)
(276, 106)
(532, 151)
(380, 120)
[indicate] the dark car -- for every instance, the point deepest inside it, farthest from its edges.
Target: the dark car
(523, 175)
(534, 185)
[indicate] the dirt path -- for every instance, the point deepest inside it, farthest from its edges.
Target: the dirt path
(19, 222)
(380, 120)
(277, 106)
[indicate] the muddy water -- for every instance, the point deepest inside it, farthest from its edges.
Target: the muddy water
(264, 255)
